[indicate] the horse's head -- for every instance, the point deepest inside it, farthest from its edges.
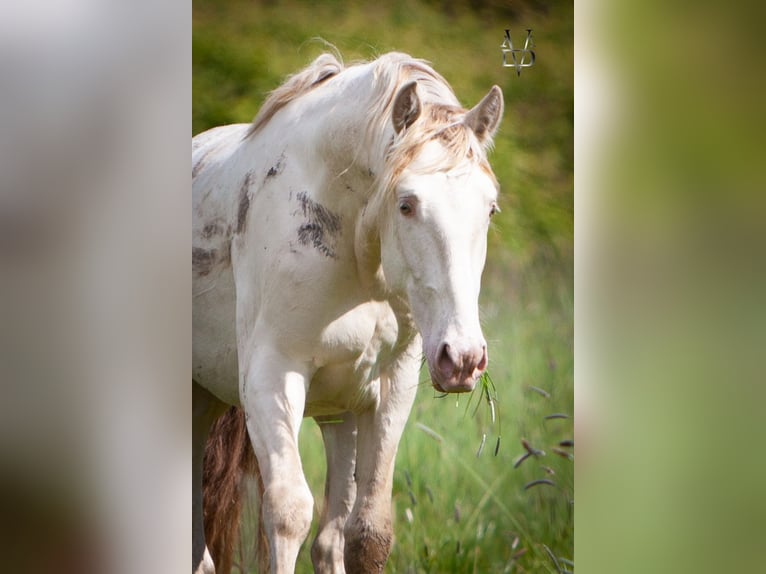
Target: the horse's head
(434, 246)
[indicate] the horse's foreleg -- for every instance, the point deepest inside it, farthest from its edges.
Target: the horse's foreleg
(368, 531)
(340, 492)
(205, 409)
(273, 395)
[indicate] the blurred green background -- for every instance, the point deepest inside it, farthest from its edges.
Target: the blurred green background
(454, 511)
(671, 321)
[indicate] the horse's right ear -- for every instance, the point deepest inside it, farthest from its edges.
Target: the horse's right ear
(485, 117)
(406, 107)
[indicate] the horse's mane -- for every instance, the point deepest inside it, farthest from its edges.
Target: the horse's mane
(441, 117)
(324, 67)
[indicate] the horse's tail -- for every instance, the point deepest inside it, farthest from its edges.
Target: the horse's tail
(229, 460)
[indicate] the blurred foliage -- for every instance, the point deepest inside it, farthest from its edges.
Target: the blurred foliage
(453, 512)
(674, 293)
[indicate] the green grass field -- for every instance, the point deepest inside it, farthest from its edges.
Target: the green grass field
(454, 511)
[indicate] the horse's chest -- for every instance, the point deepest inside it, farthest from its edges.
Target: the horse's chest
(354, 351)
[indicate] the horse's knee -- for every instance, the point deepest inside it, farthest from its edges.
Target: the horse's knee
(288, 510)
(368, 545)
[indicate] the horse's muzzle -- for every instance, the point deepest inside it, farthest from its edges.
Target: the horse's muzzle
(456, 370)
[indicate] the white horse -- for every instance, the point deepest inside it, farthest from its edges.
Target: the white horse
(345, 224)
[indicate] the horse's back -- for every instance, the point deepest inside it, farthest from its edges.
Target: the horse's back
(213, 203)
(214, 214)
(214, 139)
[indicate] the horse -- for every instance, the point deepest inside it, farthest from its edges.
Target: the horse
(337, 240)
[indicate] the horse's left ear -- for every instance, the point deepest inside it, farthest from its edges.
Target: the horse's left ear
(406, 107)
(485, 117)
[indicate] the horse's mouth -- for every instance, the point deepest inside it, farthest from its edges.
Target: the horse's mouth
(465, 386)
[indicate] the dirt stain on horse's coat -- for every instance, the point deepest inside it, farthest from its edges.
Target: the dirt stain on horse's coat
(367, 548)
(321, 228)
(277, 168)
(212, 229)
(203, 260)
(244, 202)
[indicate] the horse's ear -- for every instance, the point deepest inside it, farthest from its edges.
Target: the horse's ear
(406, 107)
(485, 117)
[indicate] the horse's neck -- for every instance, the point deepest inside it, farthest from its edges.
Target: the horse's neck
(329, 131)
(336, 126)
(342, 124)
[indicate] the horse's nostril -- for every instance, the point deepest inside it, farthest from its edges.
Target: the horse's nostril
(445, 361)
(482, 366)
(456, 366)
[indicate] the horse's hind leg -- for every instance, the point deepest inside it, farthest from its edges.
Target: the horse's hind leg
(273, 396)
(205, 409)
(339, 435)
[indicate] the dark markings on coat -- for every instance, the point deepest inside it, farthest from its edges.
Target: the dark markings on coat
(277, 168)
(321, 228)
(244, 202)
(212, 229)
(203, 260)
(367, 548)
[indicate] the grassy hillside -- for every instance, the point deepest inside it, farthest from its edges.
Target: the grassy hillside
(454, 511)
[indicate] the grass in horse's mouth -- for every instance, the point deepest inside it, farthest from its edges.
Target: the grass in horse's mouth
(487, 391)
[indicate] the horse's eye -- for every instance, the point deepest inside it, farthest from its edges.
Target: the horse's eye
(494, 209)
(406, 209)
